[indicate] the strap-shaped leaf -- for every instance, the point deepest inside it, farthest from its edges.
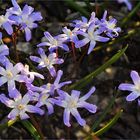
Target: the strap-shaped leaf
(106, 127)
(87, 79)
(31, 129)
(109, 124)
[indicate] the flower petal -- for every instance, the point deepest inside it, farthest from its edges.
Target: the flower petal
(81, 43)
(34, 109)
(50, 108)
(135, 77)
(7, 26)
(35, 59)
(85, 97)
(59, 75)
(3, 80)
(28, 34)
(23, 115)
(77, 116)
(129, 87)
(52, 71)
(13, 114)
(132, 96)
(90, 107)
(75, 94)
(6, 101)
(66, 117)
(91, 47)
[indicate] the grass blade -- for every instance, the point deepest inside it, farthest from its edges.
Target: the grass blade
(86, 80)
(109, 124)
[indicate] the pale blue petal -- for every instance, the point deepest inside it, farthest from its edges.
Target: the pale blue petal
(90, 107)
(86, 96)
(91, 46)
(3, 80)
(132, 96)
(77, 116)
(28, 34)
(27, 10)
(66, 117)
(135, 77)
(81, 43)
(34, 109)
(23, 116)
(50, 108)
(6, 101)
(129, 87)
(52, 71)
(35, 59)
(75, 94)
(13, 114)
(7, 26)
(59, 75)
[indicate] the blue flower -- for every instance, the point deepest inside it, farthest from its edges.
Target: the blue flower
(10, 75)
(6, 23)
(72, 102)
(31, 75)
(48, 62)
(25, 18)
(51, 88)
(133, 88)
(92, 35)
(20, 106)
(84, 23)
(54, 42)
(109, 27)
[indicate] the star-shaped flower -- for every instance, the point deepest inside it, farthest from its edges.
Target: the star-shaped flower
(92, 35)
(10, 75)
(72, 102)
(54, 42)
(133, 88)
(20, 106)
(48, 62)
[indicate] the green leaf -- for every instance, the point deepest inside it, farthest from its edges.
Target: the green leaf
(7, 124)
(86, 80)
(106, 127)
(109, 124)
(106, 110)
(31, 129)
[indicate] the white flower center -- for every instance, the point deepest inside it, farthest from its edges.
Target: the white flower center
(137, 88)
(111, 25)
(55, 42)
(20, 107)
(9, 74)
(71, 104)
(47, 61)
(2, 19)
(91, 36)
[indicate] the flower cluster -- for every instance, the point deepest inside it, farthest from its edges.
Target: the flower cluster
(92, 31)
(48, 93)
